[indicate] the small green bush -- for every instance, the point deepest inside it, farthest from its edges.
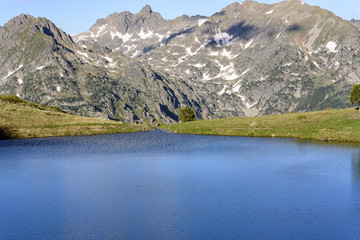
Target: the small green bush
(187, 115)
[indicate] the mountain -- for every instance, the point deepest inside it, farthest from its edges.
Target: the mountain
(39, 62)
(275, 58)
(136, 34)
(249, 59)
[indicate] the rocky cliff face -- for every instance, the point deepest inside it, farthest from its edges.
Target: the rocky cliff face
(248, 59)
(356, 23)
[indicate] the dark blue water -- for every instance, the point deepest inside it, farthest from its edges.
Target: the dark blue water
(159, 185)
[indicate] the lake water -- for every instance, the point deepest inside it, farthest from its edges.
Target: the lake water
(159, 185)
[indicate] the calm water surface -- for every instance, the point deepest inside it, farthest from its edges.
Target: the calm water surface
(159, 185)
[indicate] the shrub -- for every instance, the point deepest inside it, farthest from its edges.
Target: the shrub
(355, 95)
(187, 114)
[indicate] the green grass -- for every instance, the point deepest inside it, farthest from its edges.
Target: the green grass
(23, 119)
(329, 125)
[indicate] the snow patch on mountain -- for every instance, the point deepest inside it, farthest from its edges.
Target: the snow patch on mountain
(243, 98)
(248, 44)
(180, 60)
(135, 54)
(198, 65)
(130, 48)
(223, 90)
(228, 54)
(124, 37)
(144, 35)
(108, 59)
(100, 31)
(236, 88)
(277, 36)
(248, 105)
(83, 54)
(245, 72)
(188, 50)
(161, 37)
(202, 21)
(222, 38)
(227, 73)
(11, 73)
(206, 77)
(40, 68)
(269, 12)
(316, 64)
(213, 54)
(331, 46)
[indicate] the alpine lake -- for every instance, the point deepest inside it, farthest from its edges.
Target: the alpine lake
(160, 185)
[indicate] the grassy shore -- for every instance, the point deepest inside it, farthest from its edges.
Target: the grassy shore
(329, 125)
(23, 119)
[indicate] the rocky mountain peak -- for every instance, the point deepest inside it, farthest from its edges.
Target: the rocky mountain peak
(19, 21)
(146, 11)
(49, 28)
(234, 6)
(29, 25)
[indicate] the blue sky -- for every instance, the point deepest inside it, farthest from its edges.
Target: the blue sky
(77, 16)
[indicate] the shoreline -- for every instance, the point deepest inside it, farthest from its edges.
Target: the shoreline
(330, 125)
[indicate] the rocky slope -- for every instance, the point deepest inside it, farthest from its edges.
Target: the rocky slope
(248, 59)
(270, 58)
(41, 63)
(136, 34)
(356, 23)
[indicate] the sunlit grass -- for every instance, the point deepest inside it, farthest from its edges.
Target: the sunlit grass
(327, 125)
(22, 119)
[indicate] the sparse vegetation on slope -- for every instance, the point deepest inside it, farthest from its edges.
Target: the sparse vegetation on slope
(328, 125)
(23, 119)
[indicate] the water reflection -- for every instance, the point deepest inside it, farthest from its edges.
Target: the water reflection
(355, 168)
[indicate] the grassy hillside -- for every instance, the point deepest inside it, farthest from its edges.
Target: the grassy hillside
(23, 119)
(328, 125)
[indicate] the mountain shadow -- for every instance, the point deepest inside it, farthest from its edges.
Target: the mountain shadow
(165, 110)
(242, 30)
(174, 35)
(294, 28)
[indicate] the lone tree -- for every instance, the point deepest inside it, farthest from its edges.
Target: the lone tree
(355, 95)
(187, 114)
